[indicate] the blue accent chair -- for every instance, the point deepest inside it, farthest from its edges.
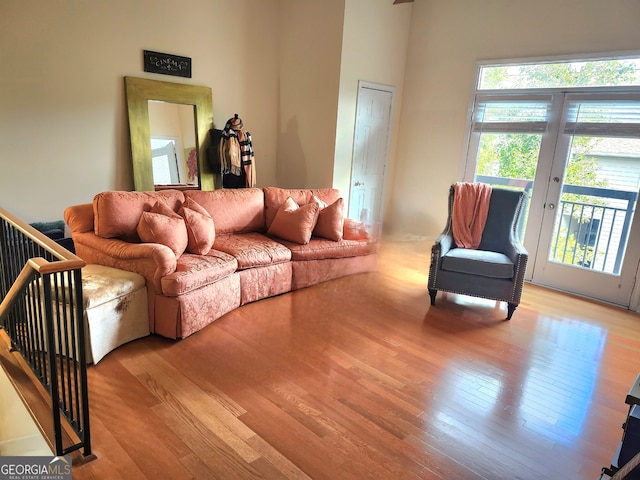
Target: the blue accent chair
(496, 269)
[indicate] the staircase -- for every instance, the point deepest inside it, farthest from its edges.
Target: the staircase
(19, 433)
(44, 401)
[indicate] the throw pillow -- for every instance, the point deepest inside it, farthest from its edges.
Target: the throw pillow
(294, 223)
(330, 219)
(163, 225)
(162, 208)
(355, 230)
(274, 197)
(200, 228)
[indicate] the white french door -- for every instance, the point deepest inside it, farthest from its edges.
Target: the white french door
(589, 241)
(579, 158)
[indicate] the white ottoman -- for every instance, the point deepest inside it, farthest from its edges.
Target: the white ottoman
(115, 307)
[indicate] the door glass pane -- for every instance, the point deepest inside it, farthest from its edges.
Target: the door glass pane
(598, 198)
(509, 160)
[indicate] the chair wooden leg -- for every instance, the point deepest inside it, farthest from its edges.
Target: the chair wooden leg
(511, 307)
(432, 293)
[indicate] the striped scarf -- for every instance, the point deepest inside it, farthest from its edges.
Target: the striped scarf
(236, 151)
(246, 147)
(230, 155)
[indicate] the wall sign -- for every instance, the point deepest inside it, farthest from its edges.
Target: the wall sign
(156, 62)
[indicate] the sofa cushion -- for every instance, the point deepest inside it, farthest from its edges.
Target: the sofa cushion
(116, 213)
(294, 223)
(330, 219)
(252, 249)
(322, 248)
(478, 262)
(196, 271)
(233, 210)
(163, 225)
(200, 228)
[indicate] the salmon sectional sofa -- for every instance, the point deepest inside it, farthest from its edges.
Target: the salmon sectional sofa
(205, 253)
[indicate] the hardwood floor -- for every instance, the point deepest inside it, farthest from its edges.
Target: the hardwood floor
(360, 378)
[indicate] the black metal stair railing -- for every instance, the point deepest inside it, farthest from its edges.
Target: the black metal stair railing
(42, 313)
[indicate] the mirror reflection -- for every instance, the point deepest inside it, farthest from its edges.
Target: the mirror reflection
(179, 116)
(174, 154)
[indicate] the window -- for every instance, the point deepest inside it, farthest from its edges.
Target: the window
(573, 126)
(507, 134)
(562, 74)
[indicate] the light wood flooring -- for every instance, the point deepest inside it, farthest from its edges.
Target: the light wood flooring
(360, 378)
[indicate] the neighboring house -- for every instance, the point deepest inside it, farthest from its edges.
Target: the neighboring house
(619, 162)
(600, 228)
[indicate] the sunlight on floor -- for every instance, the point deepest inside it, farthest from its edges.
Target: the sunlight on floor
(549, 394)
(563, 373)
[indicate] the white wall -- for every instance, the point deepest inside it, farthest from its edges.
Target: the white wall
(447, 38)
(310, 39)
(63, 128)
(374, 46)
(19, 433)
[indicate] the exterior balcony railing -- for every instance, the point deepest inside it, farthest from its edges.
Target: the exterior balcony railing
(591, 227)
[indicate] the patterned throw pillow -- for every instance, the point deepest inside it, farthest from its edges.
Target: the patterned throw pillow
(330, 219)
(294, 223)
(163, 225)
(201, 232)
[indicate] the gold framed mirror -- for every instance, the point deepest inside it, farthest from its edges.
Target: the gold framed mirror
(139, 93)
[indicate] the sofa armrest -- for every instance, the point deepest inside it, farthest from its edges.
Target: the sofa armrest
(79, 218)
(515, 250)
(151, 260)
(519, 256)
(439, 248)
(443, 243)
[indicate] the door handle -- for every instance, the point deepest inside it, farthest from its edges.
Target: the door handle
(551, 206)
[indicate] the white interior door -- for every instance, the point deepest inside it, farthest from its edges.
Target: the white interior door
(370, 151)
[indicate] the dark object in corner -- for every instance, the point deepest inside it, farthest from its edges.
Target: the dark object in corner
(52, 227)
(626, 460)
(55, 231)
(234, 181)
(213, 151)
